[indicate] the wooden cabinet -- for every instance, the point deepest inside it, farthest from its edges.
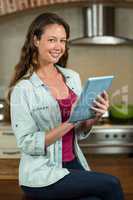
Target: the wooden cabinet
(8, 146)
(8, 6)
(120, 166)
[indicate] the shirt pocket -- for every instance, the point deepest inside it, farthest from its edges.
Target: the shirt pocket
(41, 113)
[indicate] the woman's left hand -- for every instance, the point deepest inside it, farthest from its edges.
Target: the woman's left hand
(100, 106)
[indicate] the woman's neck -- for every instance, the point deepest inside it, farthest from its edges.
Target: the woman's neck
(47, 71)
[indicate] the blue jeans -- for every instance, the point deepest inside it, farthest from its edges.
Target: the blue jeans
(79, 185)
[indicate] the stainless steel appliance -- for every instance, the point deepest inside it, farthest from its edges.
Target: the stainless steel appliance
(109, 138)
(99, 27)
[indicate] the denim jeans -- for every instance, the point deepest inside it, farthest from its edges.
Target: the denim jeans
(79, 185)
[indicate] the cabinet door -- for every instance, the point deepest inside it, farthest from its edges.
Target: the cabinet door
(8, 146)
(7, 139)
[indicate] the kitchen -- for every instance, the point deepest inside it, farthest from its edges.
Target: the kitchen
(109, 148)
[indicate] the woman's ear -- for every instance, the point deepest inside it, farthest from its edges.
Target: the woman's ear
(36, 41)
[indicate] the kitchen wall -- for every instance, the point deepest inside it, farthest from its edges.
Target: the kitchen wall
(88, 61)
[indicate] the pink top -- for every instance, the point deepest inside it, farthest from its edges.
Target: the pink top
(67, 139)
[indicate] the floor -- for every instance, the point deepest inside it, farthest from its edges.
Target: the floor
(121, 166)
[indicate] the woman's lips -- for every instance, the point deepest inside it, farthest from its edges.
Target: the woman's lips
(55, 55)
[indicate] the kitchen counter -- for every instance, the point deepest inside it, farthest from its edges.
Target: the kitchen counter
(9, 169)
(102, 123)
(120, 166)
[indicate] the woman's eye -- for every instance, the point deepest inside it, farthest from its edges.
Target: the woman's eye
(63, 41)
(51, 40)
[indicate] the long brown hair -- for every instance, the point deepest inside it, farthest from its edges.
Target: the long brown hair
(29, 53)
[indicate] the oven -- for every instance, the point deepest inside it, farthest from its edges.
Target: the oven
(109, 138)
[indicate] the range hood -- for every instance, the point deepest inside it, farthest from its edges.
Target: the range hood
(99, 27)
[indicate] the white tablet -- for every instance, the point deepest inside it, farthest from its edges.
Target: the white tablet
(93, 87)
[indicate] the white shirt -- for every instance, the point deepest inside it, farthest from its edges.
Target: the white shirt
(34, 112)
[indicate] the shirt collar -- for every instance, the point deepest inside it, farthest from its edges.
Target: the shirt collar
(63, 71)
(36, 80)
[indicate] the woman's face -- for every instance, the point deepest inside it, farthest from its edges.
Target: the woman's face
(52, 44)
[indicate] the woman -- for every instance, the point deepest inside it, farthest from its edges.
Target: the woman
(52, 165)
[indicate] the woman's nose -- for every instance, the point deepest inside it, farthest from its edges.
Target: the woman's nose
(58, 45)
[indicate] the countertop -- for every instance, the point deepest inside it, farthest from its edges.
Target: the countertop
(104, 123)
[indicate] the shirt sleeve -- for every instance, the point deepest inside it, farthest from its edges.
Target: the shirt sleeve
(29, 138)
(81, 135)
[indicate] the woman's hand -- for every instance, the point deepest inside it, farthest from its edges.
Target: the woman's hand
(100, 106)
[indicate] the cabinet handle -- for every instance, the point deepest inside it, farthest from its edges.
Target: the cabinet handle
(8, 133)
(11, 153)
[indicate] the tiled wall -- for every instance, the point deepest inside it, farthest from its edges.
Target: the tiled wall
(88, 61)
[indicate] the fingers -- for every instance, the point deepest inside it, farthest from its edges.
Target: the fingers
(103, 99)
(97, 104)
(101, 104)
(105, 95)
(98, 110)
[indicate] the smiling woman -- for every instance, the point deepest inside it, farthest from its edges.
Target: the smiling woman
(42, 96)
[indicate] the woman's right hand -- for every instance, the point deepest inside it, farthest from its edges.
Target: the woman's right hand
(58, 132)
